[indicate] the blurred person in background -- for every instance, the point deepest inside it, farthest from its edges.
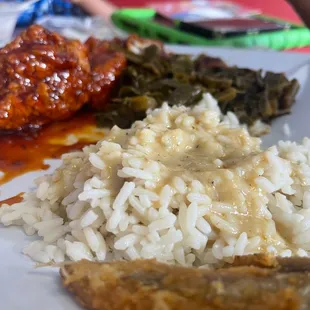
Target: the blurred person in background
(78, 8)
(96, 7)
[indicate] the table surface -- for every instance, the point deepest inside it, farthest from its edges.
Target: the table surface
(276, 8)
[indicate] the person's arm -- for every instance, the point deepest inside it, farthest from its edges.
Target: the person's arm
(302, 7)
(96, 7)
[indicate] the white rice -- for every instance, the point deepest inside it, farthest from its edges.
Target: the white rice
(185, 186)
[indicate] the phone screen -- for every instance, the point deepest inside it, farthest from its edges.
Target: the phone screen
(232, 27)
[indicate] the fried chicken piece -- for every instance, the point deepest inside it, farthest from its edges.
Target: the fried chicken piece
(43, 77)
(107, 64)
(147, 284)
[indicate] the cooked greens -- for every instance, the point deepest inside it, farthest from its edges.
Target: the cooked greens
(155, 77)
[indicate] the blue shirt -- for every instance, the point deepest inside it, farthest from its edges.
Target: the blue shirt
(48, 7)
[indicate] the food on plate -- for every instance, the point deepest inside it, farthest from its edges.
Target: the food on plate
(181, 179)
(153, 77)
(280, 264)
(26, 151)
(137, 45)
(46, 77)
(147, 284)
(103, 58)
(43, 78)
(186, 185)
(12, 200)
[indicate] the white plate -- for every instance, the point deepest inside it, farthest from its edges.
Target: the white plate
(23, 287)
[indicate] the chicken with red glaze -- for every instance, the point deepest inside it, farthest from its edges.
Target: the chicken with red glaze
(43, 77)
(106, 64)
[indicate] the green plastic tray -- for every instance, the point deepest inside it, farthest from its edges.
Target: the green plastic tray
(141, 22)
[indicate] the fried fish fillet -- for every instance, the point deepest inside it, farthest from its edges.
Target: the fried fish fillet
(267, 284)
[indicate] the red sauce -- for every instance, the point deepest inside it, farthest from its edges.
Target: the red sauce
(25, 152)
(10, 201)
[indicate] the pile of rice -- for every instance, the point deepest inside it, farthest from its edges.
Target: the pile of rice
(185, 185)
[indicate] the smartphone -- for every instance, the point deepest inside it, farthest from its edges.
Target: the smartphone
(221, 28)
(165, 21)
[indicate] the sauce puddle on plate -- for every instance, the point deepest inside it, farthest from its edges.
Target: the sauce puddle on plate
(26, 151)
(10, 201)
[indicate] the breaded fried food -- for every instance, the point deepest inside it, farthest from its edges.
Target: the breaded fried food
(43, 77)
(147, 284)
